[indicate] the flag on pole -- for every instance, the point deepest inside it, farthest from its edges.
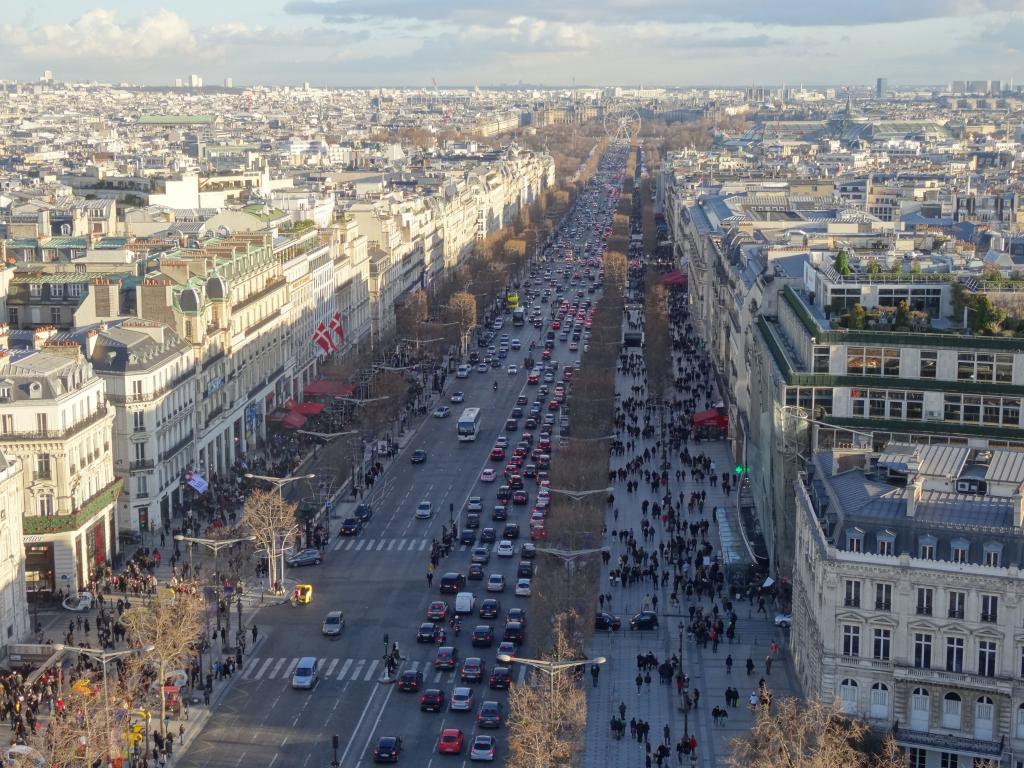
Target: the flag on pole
(323, 339)
(337, 328)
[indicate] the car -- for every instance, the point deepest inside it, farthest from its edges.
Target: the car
(511, 425)
(457, 397)
(505, 548)
(410, 681)
(363, 513)
(442, 412)
(476, 571)
(495, 583)
(525, 569)
(438, 610)
(644, 620)
(450, 741)
(419, 456)
(607, 622)
(510, 532)
(523, 588)
(514, 632)
(497, 453)
(513, 370)
(472, 670)
(452, 583)
(480, 555)
(306, 674)
(334, 622)
(783, 620)
(467, 536)
(350, 526)
(305, 557)
(488, 476)
(472, 520)
(490, 608)
(516, 344)
(474, 504)
(488, 535)
(499, 679)
(461, 699)
(522, 400)
(424, 511)
(432, 700)
(528, 551)
(446, 658)
(483, 636)
(387, 750)
(520, 497)
(482, 748)
(490, 715)
(538, 532)
(506, 648)
(428, 632)
(483, 368)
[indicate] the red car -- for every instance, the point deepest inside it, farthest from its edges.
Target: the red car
(520, 497)
(555, 325)
(450, 742)
(497, 453)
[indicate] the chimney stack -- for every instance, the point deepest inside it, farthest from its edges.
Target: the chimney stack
(914, 488)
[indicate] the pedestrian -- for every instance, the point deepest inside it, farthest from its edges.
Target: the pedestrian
(668, 734)
(254, 633)
(715, 714)
(430, 578)
(679, 752)
(622, 710)
(632, 728)
(647, 679)
(639, 683)
(728, 664)
(723, 715)
(750, 666)
(696, 696)
(768, 664)
(595, 670)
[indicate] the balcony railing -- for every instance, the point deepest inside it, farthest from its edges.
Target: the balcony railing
(883, 605)
(176, 448)
(55, 434)
(140, 464)
(924, 609)
(38, 525)
(852, 602)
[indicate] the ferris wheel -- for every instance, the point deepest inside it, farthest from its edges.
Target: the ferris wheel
(621, 123)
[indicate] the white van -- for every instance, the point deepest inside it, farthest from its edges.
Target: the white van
(464, 602)
(462, 372)
(306, 674)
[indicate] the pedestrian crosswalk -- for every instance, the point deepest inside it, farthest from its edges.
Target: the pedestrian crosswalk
(359, 544)
(351, 670)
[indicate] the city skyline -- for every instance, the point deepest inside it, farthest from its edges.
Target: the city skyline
(400, 43)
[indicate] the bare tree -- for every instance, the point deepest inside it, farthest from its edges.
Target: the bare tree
(657, 339)
(270, 520)
(411, 313)
(616, 269)
(813, 734)
(462, 310)
(171, 624)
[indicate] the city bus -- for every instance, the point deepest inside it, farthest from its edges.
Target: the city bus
(518, 316)
(469, 424)
(512, 301)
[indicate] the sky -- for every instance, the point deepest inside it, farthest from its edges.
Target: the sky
(481, 42)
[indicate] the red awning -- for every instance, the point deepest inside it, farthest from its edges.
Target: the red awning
(290, 404)
(328, 387)
(711, 417)
(308, 408)
(293, 420)
(674, 278)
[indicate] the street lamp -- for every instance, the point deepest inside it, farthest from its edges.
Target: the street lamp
(579, 495)
(279, 482)
(325, 436)
(549, 668)
(215, 545)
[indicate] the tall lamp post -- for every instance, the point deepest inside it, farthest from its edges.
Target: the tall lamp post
(549, 668)
(215, 545)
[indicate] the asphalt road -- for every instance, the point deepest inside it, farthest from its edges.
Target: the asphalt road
(379, 580)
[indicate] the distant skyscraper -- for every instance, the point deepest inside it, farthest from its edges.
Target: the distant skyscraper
(178, 82)
(47, 76)
(195, 81)
(229, 83)
(881, 88)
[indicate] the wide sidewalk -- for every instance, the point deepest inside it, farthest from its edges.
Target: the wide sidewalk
(660, 704)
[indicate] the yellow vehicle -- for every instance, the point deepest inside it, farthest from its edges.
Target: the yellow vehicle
(512, 301)
(303, 594)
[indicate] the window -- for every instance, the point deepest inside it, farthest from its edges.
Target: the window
(55, 316)
(885, 545)
(984, 366)
(974, 409)
(992, 553)
(954, 654)
(6, 424)
(43, 466)
(879, 701)
(35, 290)
(137, 387)
(852, 599)
(987, 658)
(41, 423)
(883, 597)
(929, 364)
(76, 290)
(855, 540)
(851, 640)
(989, 608)
(56, 291)
(821, 356)
(924, 601)
(881, 644)
(848, 696)
(873, 361)
(46, 505)
(141, 486)
(1020, 722)
(951, 711)
(959, 550)
(139, 421)
(957, 600)
(949, 759)
(923, 651)
(917, 757)
(926, 547)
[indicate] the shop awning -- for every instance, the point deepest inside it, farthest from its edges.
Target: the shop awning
(308, 408)
(329, 388)
(293, 420)
(710, 417)
(674, 279)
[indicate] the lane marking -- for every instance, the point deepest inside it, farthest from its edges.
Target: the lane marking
(277, 668)
(369, 672)
(344, 669)
(330, 669)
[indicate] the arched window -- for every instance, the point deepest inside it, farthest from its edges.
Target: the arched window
(848, 696)
(920, 709)
(951, 711)
(984, 714)
(880, 701)
(1020, 722)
